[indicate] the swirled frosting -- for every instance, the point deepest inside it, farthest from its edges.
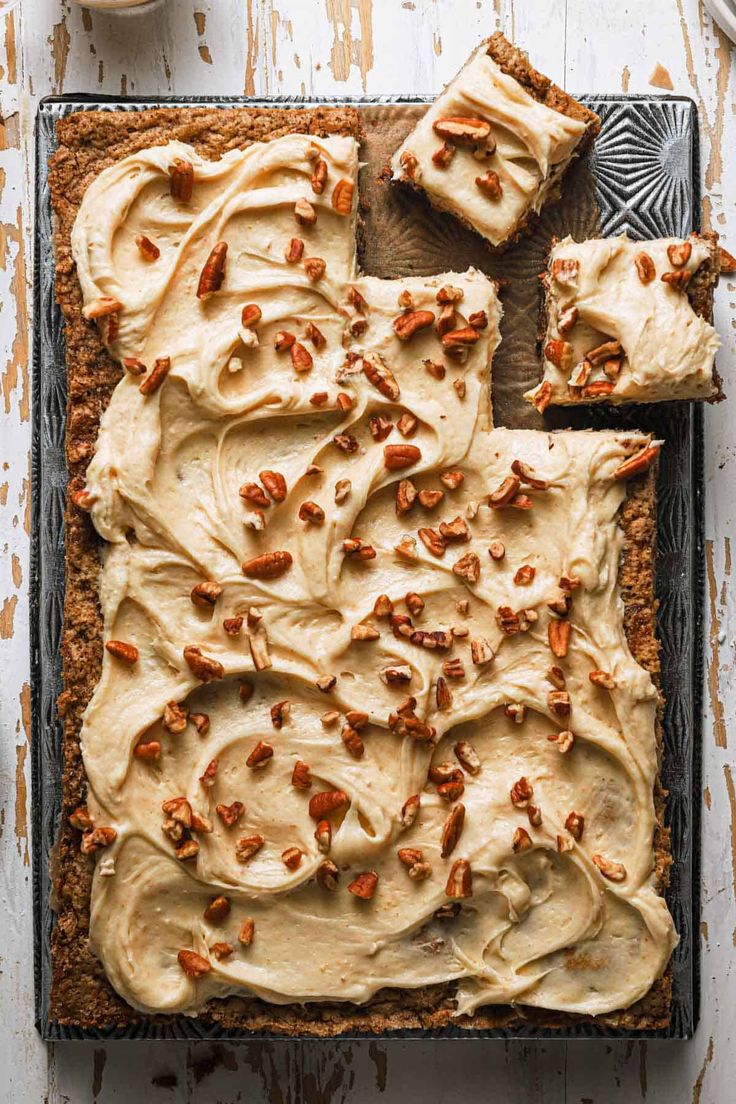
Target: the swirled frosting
(530, 147)
(667, 351)
(559, 916)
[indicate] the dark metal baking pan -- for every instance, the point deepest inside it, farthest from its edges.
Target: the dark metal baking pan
(642, 177)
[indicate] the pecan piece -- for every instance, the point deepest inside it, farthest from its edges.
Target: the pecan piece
(559, 702)
(467, 567)
(467, 756)
(193, 965)
(411, 322)
(274, 483)
(504, 493)
(294, 251)
(304, 212)
(613, 871)
(559, 353)
(433, 541)
(497, 550)
(456, 340)
(312, 513)
(175, 717)
(315, 268)
(379, 374)
(679, 279)
(525, 575)
(679, 253)
(202, 667)
(443, 695)
(103, 307)
(452, 830)
(122, 650)
(462, 130)
(522, 841)
(603, 679)
(147, 249)
(259, 756)
(230, 814)
(645, 267)
(323, 836)
(453, 668)
(490, 184)
(217, 910)
(406, 494)
(604, 352)
(356, 549)
(567, 319)
(521, 793)
(327, 875)
(637, 463)
(181, 180)
(410, 810)
(364, 886)
(94, 839)
(315, 335)
(153, 380)
(247, 931)
(205, 594)
(481, 652)
(342, 196)
(565, 270)
(542, 396)
(326, 802)
(575, 824)
(558, 634)
(364, 632)
(460, 882)
(455, 530)
(319, 176)
(443, 155)
(247, 847)
(407, 424)
(292, 858)
(150, 750)
(430, 499)
(396, 457)
(213, 273)
(269, 565)
(527, 475)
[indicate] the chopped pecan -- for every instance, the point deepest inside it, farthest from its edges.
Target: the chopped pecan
(564, 741)
(478, 320)
(565, 270)
(122, 650)
(364, 886)
(430, 499)
(612, 367)
(490, 184)
(433, 541)
(383, 606)
(232, 625)
(645, 267)
(542, 396)
(181, 180)
(327, 875)
(149, 750)
(567, 320)
(175, 717)
(451, 479)
(437, 371)
(460, 882)
(575, 824)
(527, 475)
(207, 779)
(396, 457)
(213, 273)
(452, 830)
(504, 493)
(259, 756)
(323, 836)
(217, 910)
(342, 196)
(679, 253)
(467, 567)
(147, 249)
(463, 338)
(187, 849)
(559, 702)
(604, 352)
(462, 130)
(379, 374)
(521, 793)
(312, 513)
(443, 695)
(443, 155)
(679, 279)
(497, 550)
(613, 871)
(345, 442)
(556, 676)
(407, 425)
(410, 810)
(292, 858)
(193, 964)
(247, 847)
(397, 672)
(274, 483)
(252, 492)
(356, 549)
(380, 427)
(315, 335)
(535, 815)
(559, 353)
(319, 176)
(481, 651)
(598, 389)
(330, 718)
(409, 855)
(153, 380)
(522, 841)
(269, 565)
(301, 358)
(515, 711)
(406, 549)
(638, 463)
(230, 814)
(304, 212)
(294, 251)
(205, 594)
(202, 667)
(406, 494)
(453, 668)
(452, 790)
(558, 634)
(467, 756)
(352, 741)
(315, 268)
(94, 839)
(411, 322)
(602, 679)
(221, 950)
(364, 632)
(524, 575)
(247, 931)
(327, 801)
(455, 530)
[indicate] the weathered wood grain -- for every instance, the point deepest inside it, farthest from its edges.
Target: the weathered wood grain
(264, 47)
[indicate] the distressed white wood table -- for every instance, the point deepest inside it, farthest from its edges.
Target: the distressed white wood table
(266, 47)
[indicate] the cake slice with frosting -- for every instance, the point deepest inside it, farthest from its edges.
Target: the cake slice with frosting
(493, 147)
(629, 321)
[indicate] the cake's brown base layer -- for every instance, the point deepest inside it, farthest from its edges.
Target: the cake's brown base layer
(513, 61)
(700, 293)
(81, 994)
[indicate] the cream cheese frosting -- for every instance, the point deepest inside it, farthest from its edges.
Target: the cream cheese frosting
(617, 290)
(563, 912)
(529, 147)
